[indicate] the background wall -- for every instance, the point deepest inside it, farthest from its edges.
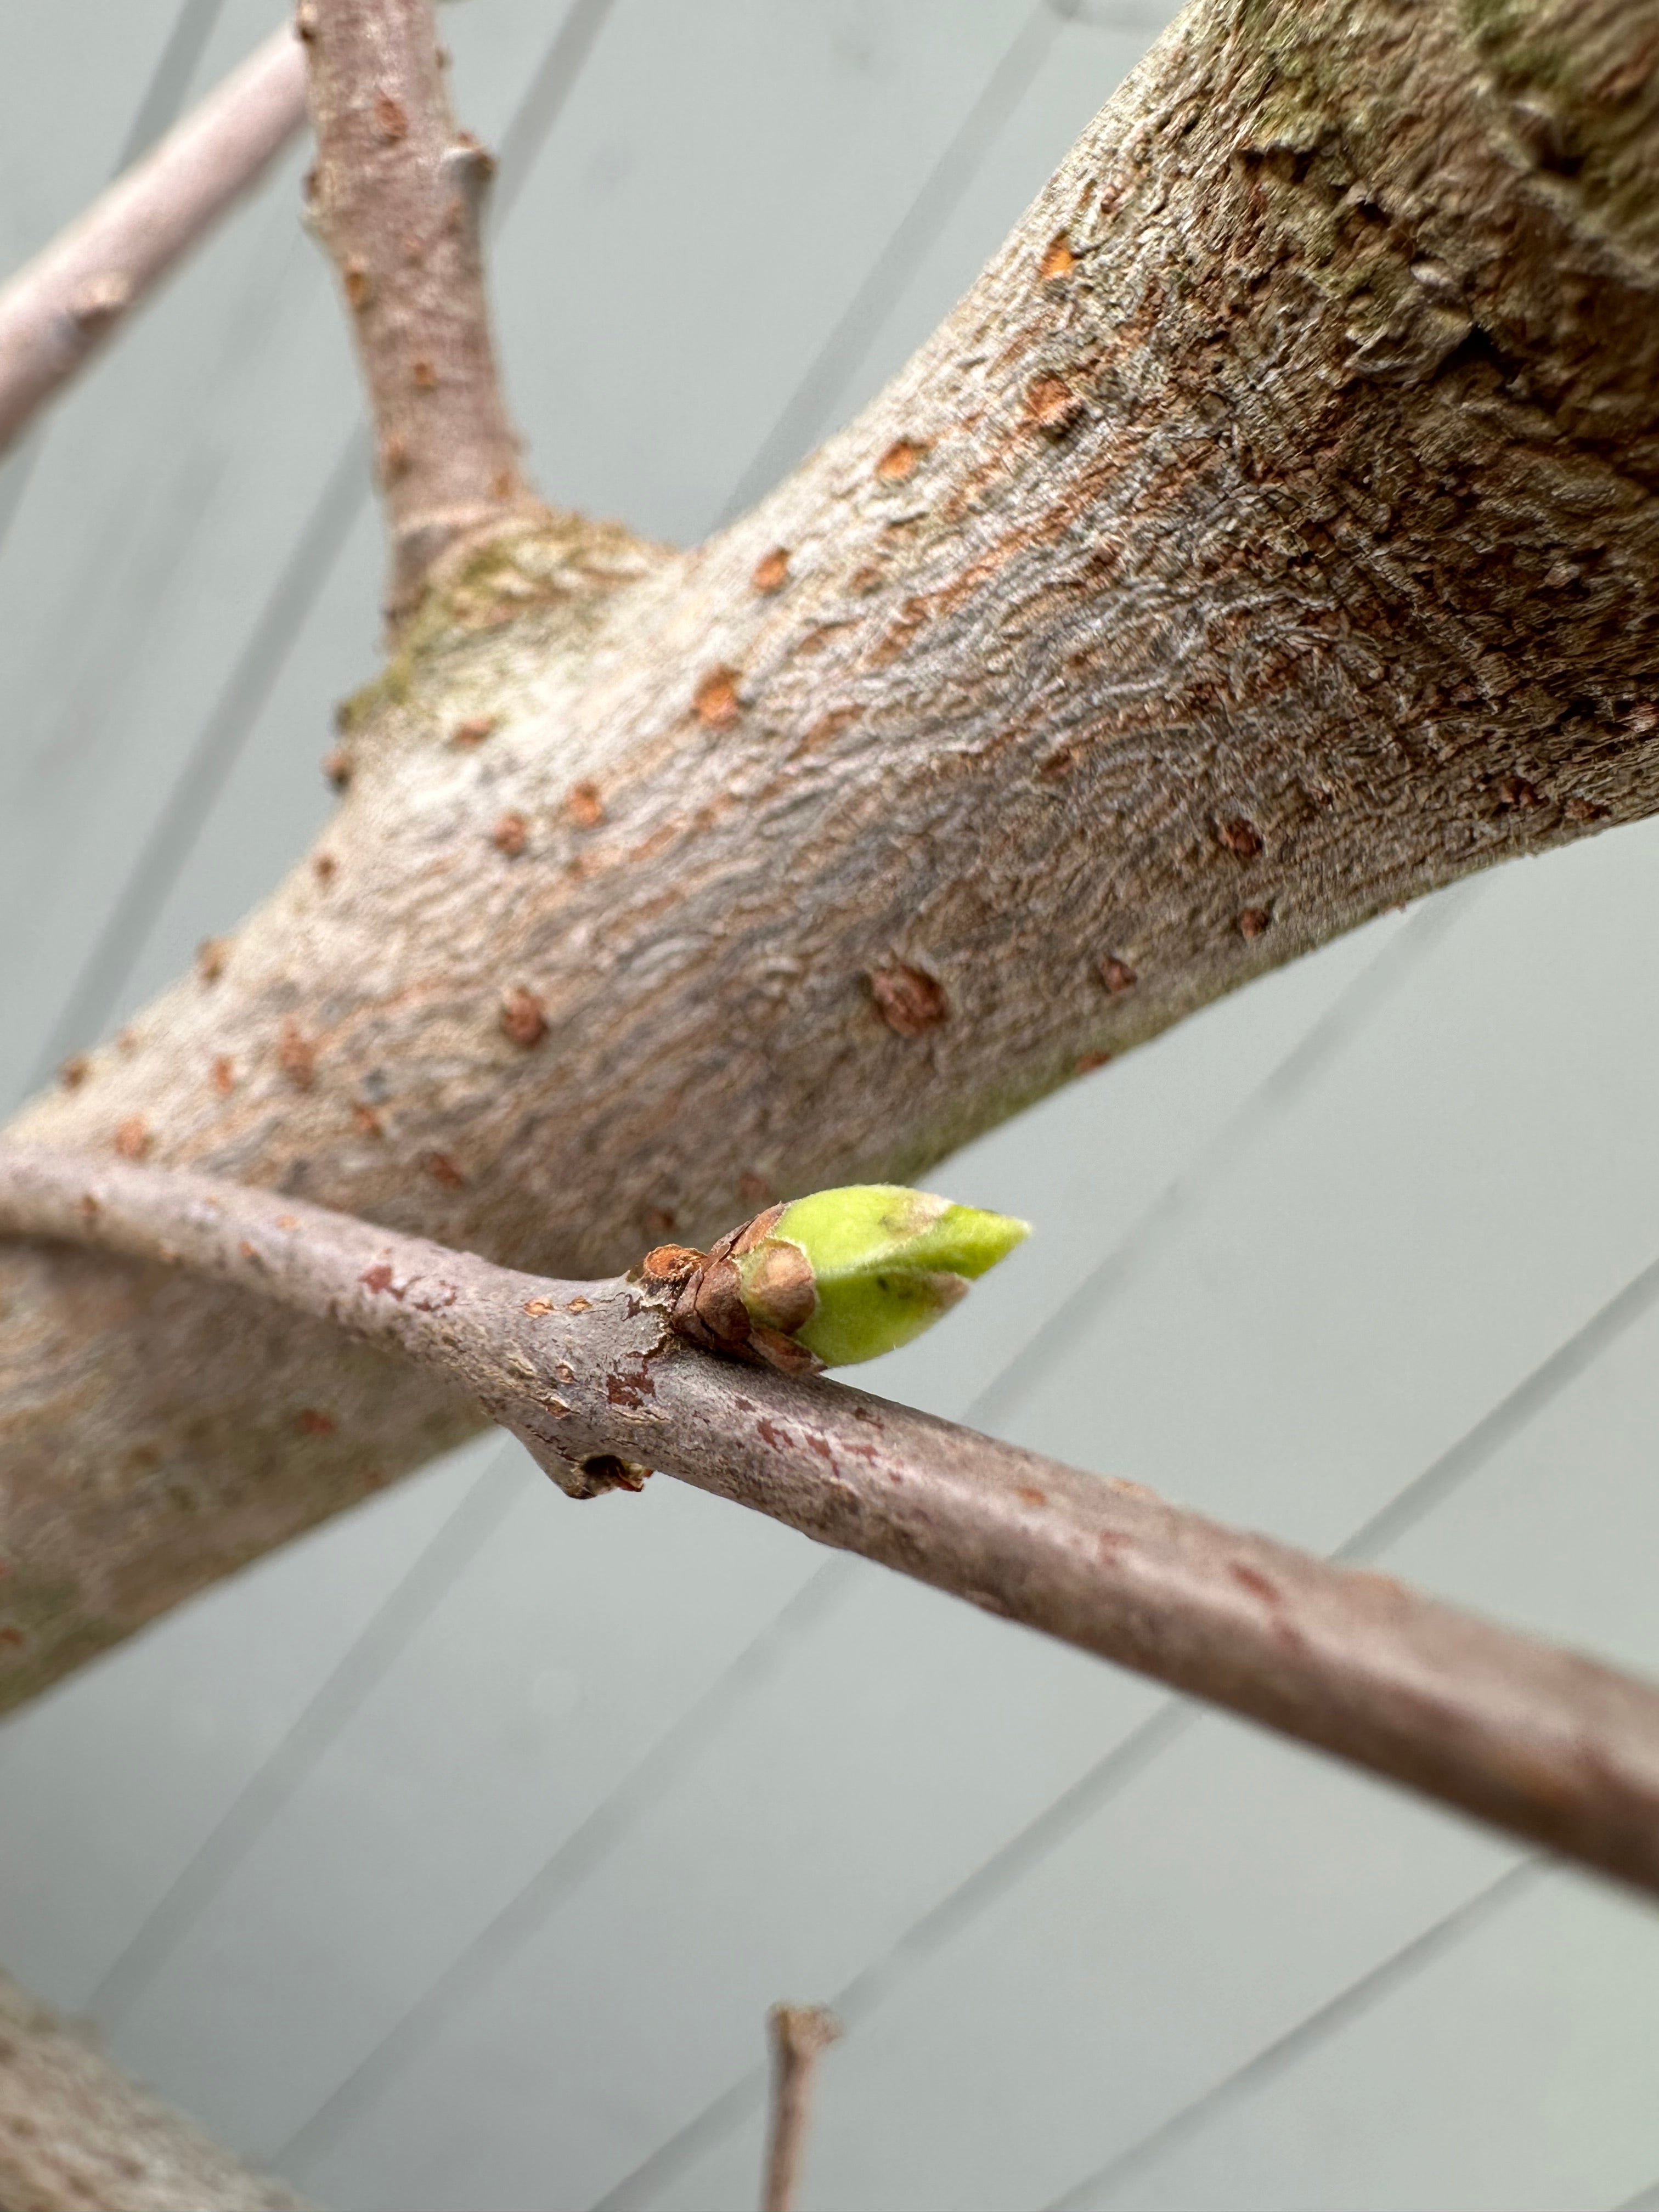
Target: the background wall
(450, 1858)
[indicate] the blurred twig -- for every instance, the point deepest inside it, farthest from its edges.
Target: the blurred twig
(799, 2036)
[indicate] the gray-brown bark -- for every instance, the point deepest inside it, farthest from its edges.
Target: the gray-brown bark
(594, 1380)
(396, 197)
(75, 2133)
(62, 306)
(1268, 537)
(799, 2036)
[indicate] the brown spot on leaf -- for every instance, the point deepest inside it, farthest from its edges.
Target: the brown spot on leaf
(579, 1305)
(393, 457)
(510, 836)
(780, 1287)
(422, 376)
(1242, 838)
(524, 1016)
(1118, 975)
(392, 122)
(910, 1001)
(715, 700)
(902, 460)
(296, 1054)
(539, 1306)
(474, 730)
(367, 1121)
(1058, 259)
(132, 1138)
(312, 1421)
(324, 867)
(210, 955)
(357, 286)
(584, 808)
(502, 482)
(12, 1638)
(1031, 1495)
(1584, 809)
(1087, 1062)
(75, 1071)
(336, 769)
(1515, 794)
(224, 1075)
(444, 1168)
(1253, 922)
(771, 570)
(379, 1279)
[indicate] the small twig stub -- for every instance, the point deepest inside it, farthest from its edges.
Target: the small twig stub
(799, 2036)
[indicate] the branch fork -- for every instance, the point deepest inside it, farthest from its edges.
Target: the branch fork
(397, 197)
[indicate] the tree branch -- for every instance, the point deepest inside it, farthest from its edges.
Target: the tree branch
(396, 197)
(799, 2035)
(59, 308)
(1543, 1743)
(1269, 538)
(74, 2132)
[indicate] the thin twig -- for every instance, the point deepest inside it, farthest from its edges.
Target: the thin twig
(1544, 1743)
(799, 2035)
(62, 305)
(398, 198)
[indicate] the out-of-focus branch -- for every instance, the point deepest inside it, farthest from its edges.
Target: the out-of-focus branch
(800, 2034)
(61, 306)
(1542, 1742)
(396, 197)
(74, 2132)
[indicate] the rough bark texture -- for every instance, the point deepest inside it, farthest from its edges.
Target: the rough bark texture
(594, 1379)
(396, 197)
(1270, 536)
(76, 2136)
(58, 309)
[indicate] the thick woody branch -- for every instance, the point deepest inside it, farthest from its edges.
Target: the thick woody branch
(1543, 1743)
(57, 311)
(396, 197)
(1272, 536)
(74, 2132)
(799, 2036)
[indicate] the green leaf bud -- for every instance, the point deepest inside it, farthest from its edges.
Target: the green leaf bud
(851, 1274)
